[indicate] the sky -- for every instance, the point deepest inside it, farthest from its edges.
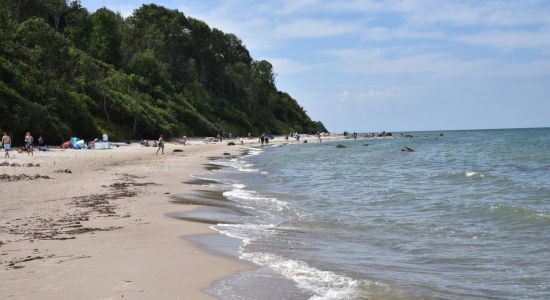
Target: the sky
(366, 65)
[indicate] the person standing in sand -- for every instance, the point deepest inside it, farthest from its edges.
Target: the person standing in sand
(6, 144)
(161, 144)
(28, 143)
(40, 142)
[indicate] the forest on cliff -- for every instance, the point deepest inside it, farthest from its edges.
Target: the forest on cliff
(67, 72)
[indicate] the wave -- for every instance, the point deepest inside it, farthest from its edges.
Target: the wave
(253, 151)
(239, 186)
(239, 193)
(518, 214)
(469, 176)
(324, 284)
(245, 232)
(474, 174)
(237, 164)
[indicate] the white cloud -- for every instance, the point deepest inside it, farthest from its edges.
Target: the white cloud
(509, 40)
(385, 33)
(310, 28)
(284, 66)
(394, 61)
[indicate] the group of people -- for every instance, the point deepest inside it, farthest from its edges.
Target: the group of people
(159, 143)
(28, 146)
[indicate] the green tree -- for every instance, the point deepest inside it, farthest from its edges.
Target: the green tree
(105, 37)
(78, 25)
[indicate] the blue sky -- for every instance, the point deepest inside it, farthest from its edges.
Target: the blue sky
(395, 65)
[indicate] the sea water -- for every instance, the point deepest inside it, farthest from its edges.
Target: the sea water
(464, 216)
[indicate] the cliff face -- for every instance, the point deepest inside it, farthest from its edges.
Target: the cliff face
(65, 72)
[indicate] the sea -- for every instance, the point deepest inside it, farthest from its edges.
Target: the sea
(466, 215)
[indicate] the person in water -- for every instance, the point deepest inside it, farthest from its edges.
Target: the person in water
(161, 144)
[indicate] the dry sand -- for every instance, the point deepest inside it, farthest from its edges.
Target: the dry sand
(92, 224)
(100, 232)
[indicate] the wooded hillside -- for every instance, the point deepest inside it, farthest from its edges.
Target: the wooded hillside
(65, 72)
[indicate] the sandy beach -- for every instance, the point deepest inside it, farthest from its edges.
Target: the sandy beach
(100, 231)
(93, 224)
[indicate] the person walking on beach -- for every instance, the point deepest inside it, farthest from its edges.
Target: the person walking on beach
(161, 144)
(6, 144)
(28, 143)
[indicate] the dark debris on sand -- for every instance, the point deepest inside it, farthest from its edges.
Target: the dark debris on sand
(6, 177)
(7, 164)
(72, 224)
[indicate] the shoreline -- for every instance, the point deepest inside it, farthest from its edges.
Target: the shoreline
(96, 224)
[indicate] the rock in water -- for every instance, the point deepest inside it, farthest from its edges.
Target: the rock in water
(407, 149)
(226, 153)
(178, 150)
(230, 144)
(340, 146)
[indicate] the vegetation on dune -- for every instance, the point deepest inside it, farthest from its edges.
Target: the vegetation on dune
(65, 72)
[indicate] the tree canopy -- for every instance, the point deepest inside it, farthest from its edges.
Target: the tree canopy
(65, 72)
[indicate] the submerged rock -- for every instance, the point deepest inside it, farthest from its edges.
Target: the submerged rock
(407, 149)
(340, 146)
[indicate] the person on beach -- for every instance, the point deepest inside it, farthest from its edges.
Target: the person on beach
(319, 136)
(242, 141)
(40, 142)
(6, 144)
(28, 143)
(161, 144)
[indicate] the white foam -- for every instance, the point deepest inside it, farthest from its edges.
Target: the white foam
(247, 170)
(470, 174)
(245, 232)
(254, 151)
(239, 186)
(247, 195)
(324, 284)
